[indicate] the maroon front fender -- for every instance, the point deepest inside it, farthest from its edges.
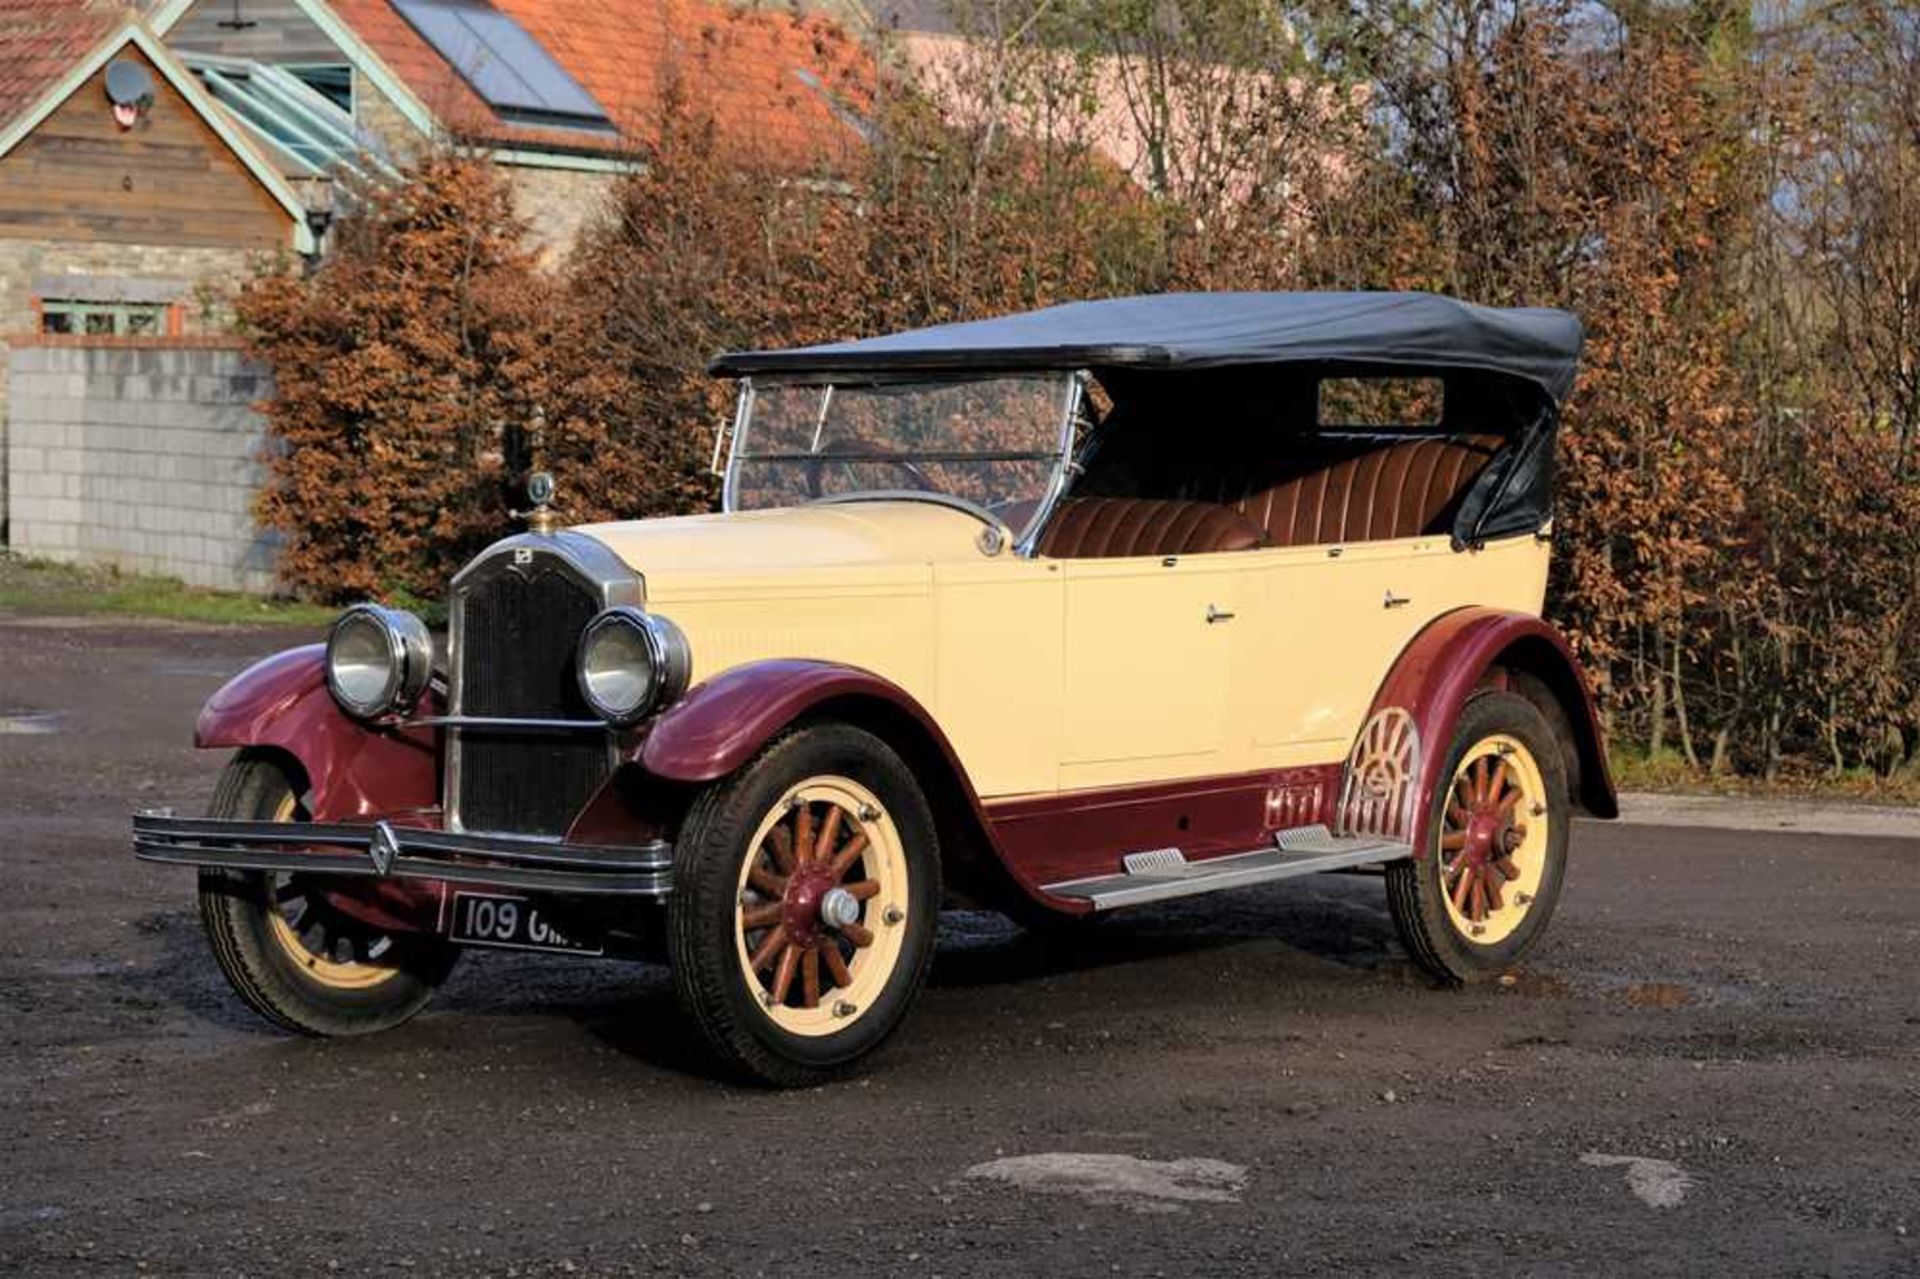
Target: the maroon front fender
(719, 726)
(1461, 651)
(282, 703)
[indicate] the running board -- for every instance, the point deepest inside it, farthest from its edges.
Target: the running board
(1165, 872)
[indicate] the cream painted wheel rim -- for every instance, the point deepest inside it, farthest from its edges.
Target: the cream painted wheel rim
(308, 932)
(1493, 839)
(810, 976)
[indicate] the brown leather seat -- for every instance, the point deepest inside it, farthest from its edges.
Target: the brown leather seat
(1112, 527)
(1337, 490)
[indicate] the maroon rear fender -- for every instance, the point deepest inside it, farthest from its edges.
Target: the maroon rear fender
(1465, 650)
(282, 703)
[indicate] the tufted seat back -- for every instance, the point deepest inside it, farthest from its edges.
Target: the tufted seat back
(1112, 527)
(1344, 490)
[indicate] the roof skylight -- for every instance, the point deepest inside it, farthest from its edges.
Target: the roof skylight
(503, 63)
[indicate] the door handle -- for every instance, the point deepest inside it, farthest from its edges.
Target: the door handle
(1394, 601)
(1217, 614)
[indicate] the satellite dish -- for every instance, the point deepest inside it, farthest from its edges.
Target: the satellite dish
(130, 90)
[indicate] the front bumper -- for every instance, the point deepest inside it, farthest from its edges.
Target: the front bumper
(383, 850)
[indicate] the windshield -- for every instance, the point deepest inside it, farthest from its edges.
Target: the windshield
(991, 443)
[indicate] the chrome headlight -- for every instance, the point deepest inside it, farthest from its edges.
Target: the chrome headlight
(631, 664)
(378, 661)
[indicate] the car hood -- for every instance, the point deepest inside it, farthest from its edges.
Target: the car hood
(751, 546)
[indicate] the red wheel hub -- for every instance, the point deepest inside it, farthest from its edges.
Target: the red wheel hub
(800, 905)
(1486, 831)
(797, 908)
(1480, 835)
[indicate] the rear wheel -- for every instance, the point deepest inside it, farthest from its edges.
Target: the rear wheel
(1480, 898)
(287, 951)
(806, 890)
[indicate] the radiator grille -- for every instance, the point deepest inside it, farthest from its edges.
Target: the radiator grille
(518, 632)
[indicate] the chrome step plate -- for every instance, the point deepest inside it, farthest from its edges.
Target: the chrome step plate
(1305, 850)
(1160, 860)
(1317, 840)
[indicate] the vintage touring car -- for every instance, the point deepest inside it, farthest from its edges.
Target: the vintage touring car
(1055, 613)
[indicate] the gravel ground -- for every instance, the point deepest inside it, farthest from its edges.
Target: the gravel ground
(1712, 1065)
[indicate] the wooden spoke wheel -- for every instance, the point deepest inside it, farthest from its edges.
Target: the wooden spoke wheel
(288, 952)
(805, 893)
(822, 905)
(1492, 838)
(334, 950)
(1482, 894)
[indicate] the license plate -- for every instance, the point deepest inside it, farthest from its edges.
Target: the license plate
(515, 923)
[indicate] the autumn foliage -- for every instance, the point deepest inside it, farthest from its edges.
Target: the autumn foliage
(420, 375)
(1733, 212)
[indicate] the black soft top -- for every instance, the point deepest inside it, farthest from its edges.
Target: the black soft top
(1215, 330)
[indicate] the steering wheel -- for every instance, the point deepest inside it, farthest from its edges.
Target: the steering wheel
(815, 467)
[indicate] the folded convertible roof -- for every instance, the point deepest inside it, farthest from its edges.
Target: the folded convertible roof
(1214, 330)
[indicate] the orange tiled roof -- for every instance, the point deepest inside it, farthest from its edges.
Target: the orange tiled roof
(41, 40)
(777, 81)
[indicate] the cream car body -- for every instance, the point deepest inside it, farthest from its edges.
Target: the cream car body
(902, 589)
(955, 636)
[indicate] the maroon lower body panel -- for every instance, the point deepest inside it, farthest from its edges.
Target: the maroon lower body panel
(1052, 838)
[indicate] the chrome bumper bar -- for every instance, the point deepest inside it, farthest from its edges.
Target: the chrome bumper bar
(383, 850)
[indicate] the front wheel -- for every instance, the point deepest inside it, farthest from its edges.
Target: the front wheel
(1481, 896)
(287, 951)
(806, 890)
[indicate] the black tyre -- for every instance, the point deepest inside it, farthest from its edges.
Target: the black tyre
(805, 897)
(1486, 889)
(291, 956)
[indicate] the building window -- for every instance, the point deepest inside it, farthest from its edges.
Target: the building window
(104, 319)
(334, 83)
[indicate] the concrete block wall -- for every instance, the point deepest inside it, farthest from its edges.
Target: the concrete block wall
(199, 278)
(139, 455)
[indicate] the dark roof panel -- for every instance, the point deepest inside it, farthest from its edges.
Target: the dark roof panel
(505, 65)
(1201, 330)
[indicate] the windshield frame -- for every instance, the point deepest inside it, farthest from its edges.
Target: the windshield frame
(1073, 401)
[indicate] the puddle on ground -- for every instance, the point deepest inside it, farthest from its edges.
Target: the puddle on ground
(28, 723)
(1656, 1183)
(1636, 992)
(1143, 1185)
(1657, 994)
(1540, 985)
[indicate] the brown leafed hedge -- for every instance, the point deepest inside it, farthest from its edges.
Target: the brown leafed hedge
(1734, 214)
(421, 373)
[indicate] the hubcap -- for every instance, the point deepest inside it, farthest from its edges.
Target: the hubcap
(1493, 839)
(822, 906)
(839, 908)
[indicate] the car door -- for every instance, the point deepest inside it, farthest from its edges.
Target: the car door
(997, 671)
(1147, 665)
(1329, 622)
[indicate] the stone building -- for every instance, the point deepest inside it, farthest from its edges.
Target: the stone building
(563, 95)
(155, 153)
(128, 199)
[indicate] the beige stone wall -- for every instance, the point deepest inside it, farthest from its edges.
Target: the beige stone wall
(378, 116)
(209, 275)
(557, 204)
(202, 278)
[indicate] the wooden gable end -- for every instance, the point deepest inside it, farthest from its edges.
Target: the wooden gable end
(275, 31)
(170, 179)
